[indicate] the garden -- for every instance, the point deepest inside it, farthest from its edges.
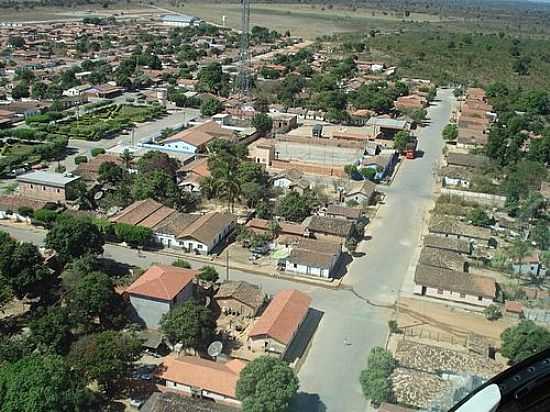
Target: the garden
(105, 122)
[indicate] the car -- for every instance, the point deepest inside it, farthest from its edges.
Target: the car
(136, 403)
(260, 250)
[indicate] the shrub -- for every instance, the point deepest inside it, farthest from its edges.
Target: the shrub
(492, 312)
(181, 263)
(394, 326)
(375, 380)
(209, 274)
(96, 151)
(25, 211)
(133, 235)
(80, 159)
(45, 215)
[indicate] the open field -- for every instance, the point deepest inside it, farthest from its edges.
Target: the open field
(308, 21)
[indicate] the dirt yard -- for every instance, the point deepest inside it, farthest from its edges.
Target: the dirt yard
(443, 322)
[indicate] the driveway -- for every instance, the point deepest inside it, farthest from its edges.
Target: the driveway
(350, 327)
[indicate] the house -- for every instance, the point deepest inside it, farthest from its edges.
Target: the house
(454, 286)
(312, 257)
(467, 160)
(174, 402)
(25, 108)
(513, 308)
(285, 228)
(472, 138)
(191, 174)
(460, 177)
(239, 298)
(196, 138)
(342, 212)
(193, 233)
(291, 180)
(89, 171)
(201, 378)
(361, 192)
(383, 164)
(328, 228)
(529, 265)
(275, 330)
(387, 128)
(7, 118)
(410, 102)
(283, 122)
(48, 186)
(445, 259)
(262, 151)
(76, 90)
(148, 213)
(157, 291)
(105, 91)
(460, 246)
(448, 227)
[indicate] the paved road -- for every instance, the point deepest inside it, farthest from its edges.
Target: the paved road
(329, 376)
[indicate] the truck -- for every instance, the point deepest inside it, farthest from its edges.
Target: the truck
(410, 150)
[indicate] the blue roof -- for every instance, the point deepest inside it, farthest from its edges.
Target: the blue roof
(183, 18)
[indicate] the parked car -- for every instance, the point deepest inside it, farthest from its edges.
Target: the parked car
(136, 403)
(260, 250)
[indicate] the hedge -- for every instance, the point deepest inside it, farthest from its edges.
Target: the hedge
(133, 235)
(80, 159)
(25, 211)
(96, 151)
(45, 215)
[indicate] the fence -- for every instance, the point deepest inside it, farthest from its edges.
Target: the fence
(308, 168)
(422, 333)
(486, 199)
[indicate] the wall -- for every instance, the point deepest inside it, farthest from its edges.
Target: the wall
(453, 296)
(320, 141)
(448, 181)
(149, 311)
(259, 344)
(41, 192)
(481, 198)
(186, 389)
(307, 270)
(185, 294)
(236, 307)
(309, 168)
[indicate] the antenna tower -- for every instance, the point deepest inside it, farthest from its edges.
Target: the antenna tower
(244, 73)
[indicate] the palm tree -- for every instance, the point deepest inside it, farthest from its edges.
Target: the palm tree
(126, 156)
(208, 187)
(229, 187)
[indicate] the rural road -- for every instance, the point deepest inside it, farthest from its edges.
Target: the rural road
(329, 377)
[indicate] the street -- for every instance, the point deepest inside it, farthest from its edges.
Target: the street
(350, 326)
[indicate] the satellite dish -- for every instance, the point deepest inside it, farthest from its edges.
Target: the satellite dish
(215, 348)
(98, 195)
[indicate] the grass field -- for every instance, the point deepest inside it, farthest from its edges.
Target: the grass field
(308, 21)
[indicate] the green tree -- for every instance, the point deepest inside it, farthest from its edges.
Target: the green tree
(401, 140)
(295, 207)
(541, 235)
(374, 379)
(156, 185)
(211, 78)
(127, 157)
(209, 274)
(523, 340)
(368, 173)
(110, 172)
(6, 293)
(228, 186)
(479, 217)
(52, 330)
(450, 132)
(492, 312)
(107, 358)
(42, 384)
(211, 106)
(20, 90)
(263, 123)
(154, 161)
(266, 384)
(93, 296)
(350, 170)
(72, 237)
(134, 235)
(190, 324)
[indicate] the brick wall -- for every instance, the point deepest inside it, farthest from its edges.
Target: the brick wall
(48, 193)
(308, 168)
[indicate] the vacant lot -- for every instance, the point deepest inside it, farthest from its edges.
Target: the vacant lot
(323, 155)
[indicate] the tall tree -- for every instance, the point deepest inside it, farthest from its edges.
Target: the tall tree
(106, 357)
(42, 384)
(523, 340)
(73, 237)
(190, 324)
(52, 330)
(266, 384)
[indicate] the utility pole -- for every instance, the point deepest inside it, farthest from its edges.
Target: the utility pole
(244, 73)
(227, 264)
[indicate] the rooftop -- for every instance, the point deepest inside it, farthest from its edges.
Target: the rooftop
(442, 259)
(47, 178)
(282, 316)
(446, 243)
(205, 374)
(246, 293)
(162, 282)
(466, 160)
(329, 225)
(148, 213)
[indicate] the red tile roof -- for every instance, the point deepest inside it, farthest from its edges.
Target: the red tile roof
(282, 316)
(513, 306)
(213, 376)
(162, 282)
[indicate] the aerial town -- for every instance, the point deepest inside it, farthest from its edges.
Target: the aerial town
(199, 216)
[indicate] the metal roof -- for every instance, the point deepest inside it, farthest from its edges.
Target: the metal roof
(183, 18)
(47, 178)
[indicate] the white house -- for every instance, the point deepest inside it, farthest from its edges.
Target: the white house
(201, 378)
(530, 265)
(76, 91)
(456, 176)
(311, 257)
(157, 290)
(454, 286)
(179, 20)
